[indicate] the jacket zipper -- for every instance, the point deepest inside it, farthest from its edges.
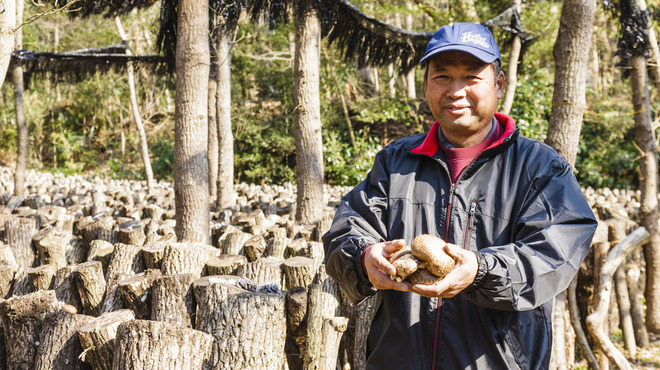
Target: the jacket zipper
(473, 208)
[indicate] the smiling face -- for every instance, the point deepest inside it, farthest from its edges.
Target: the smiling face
(462, 92)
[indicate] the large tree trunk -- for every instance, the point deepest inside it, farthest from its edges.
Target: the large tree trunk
(135, 111)
(212, 146)
(7, 24)
(571, 52)
(225, 178)
(191, 182)
(648, 166)
(21, 125)
(307, 114)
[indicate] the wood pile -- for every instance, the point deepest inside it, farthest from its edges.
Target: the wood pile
(92, 277)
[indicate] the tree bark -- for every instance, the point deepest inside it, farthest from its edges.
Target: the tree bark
(307, 114)
(135, 111)
(60, 347)
(636, 300)
(313, 338)
(249, 328)
(625, 319)
(91, 286)
(263, 271)
(22, 144)
(41, 278)
(19, 232)
(7, 26)
(225, 170)
(298, 271)
(212, 149)
(191, 128)
(97, 338)
(144, 344)
(132, 232)
(173, 300)
(136, 292)
(595, 320)
(571, 52)
(22, 319)
(225, 264)
(512, 69)
(648, 167)
(126, 261)
(187, 258)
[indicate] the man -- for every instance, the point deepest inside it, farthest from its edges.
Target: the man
(510, 209)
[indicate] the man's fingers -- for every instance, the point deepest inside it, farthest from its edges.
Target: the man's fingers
(393, 246)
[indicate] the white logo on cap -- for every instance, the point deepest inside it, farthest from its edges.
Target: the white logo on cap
(474, 38)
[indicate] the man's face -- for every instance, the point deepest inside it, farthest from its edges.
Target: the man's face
(462, 92)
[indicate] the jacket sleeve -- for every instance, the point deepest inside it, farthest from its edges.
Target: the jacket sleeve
(359, 222)
(551, 237)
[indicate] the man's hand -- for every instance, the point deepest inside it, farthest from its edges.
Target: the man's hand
(378, 267)
(458, 279)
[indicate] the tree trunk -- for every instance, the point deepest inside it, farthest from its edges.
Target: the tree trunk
(636, 300)
(558, 360)
(22, 144)
(225, 179)
(623, 301)
(595, 320)
(512, 69)
(313, 338)
(648, 167)
(411, 88)
(135, 111)
(212, 147)
(249, 328)
(191, 185)
(7, 25)
(571, 52)
(144, 344)
(22, 319)
(307, 114)
(60, 347)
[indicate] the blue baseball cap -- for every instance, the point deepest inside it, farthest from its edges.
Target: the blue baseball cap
(471, 38)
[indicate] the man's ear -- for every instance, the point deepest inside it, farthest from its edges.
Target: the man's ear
(500, 82)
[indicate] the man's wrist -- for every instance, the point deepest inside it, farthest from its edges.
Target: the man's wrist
(482, 271)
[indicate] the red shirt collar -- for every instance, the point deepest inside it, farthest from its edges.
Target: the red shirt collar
(430, 145)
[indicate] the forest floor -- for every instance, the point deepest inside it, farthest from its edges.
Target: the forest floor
(648, 358)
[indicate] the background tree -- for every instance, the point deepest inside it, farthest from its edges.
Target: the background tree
(7, 27)
(307, 114)
(191, 183)
(21, 124)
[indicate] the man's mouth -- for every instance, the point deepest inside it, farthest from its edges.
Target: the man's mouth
(457, 109)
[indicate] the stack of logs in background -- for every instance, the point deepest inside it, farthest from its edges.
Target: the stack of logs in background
(91, 276)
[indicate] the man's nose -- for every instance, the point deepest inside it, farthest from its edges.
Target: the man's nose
(457, 88)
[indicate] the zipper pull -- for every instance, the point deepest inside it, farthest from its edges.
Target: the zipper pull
(473, 209)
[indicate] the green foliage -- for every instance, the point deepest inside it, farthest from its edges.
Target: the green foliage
(532, 105)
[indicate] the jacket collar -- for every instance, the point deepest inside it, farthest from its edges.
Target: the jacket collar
(430, 145)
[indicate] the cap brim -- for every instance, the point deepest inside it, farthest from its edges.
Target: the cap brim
(477, 53)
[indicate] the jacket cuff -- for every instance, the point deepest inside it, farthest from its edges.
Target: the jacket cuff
(482, 271)
(363, 245)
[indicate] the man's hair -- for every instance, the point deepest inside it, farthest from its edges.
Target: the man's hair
(497, 68)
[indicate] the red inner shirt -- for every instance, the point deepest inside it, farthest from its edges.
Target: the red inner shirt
(459, 158)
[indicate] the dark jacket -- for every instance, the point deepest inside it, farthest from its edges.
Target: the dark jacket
(517, 205)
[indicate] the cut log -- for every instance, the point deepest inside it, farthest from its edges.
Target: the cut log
(249, 328)
(296, 311)
(101, 250)
(225, 264)
(276, 246)
(7, 255)
(153, 253)
(354, 341)
(633, 273)
(333, 329)
(6, 279)
(22, 319)
(173, 300)
(143, 344)
(52, 250)
(331, 293)
(233, 241)
(132, 232)
(41, 278)
(19, 232)
(126, 261)
(60, 347)
(187, 258)
(296, 247)
(66, 288)
(255, 247)
(91, 286)
(298, 271)
(136, 292)
(314, 331)
(76, 251)
(97, 338)
(263, 271)
(102, 229)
